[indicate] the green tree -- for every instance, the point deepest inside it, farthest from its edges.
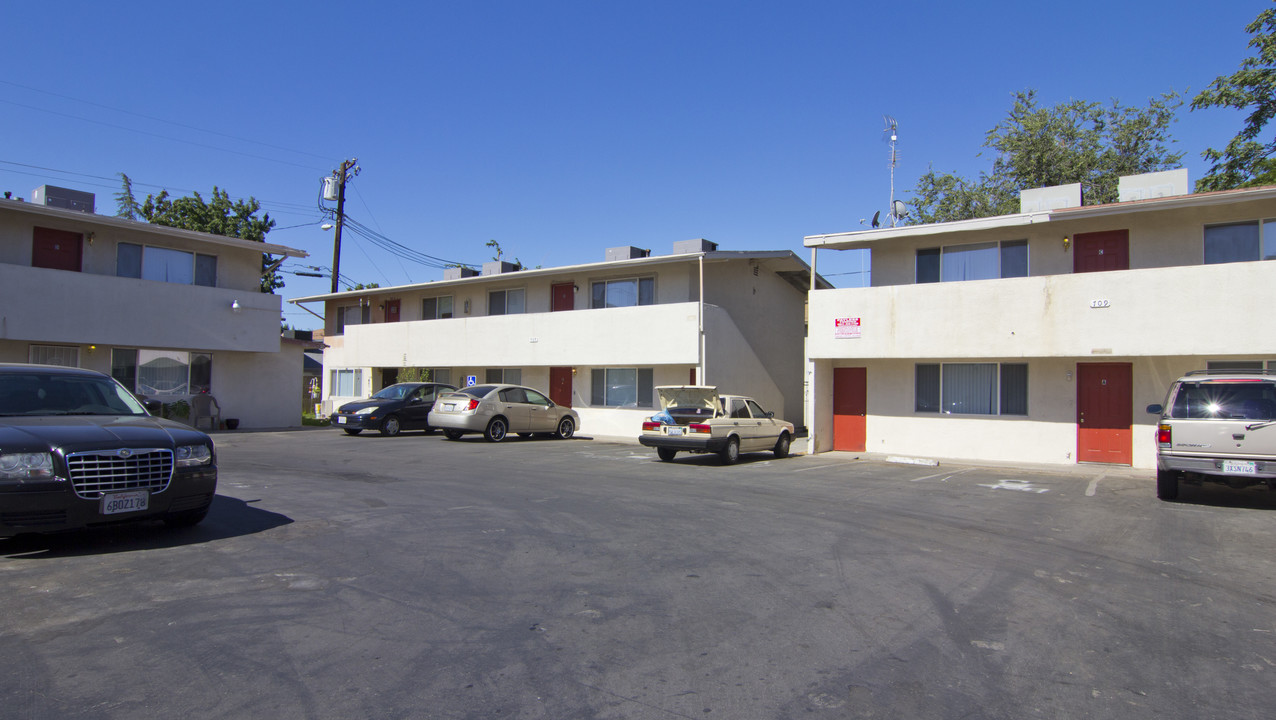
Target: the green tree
(220, 216)
(1072, 142)
(126, 203)
(1246, 161)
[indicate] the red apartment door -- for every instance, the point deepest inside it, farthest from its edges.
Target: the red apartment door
(56, 249)
(560, 385)
(1105, 413)
(1099, 251)
(850, 405)
(564, 298)
(392, 311)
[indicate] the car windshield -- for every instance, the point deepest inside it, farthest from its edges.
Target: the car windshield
(394, 392)
(1225, 401)
(38, 393)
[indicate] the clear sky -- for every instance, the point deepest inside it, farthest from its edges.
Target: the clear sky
(560, 129)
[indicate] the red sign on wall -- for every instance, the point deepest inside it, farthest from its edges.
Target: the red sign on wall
(846, 327)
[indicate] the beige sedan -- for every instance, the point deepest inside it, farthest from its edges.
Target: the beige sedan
(695, 418)
(497, 410)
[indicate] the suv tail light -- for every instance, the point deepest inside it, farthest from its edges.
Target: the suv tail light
(1163, 434)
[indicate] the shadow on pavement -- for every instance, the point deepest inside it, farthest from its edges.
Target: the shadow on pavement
(229, 517)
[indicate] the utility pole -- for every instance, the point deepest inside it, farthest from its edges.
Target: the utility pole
(348, 170)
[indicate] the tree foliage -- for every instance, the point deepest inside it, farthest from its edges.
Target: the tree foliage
(1247, 160)
(1072, 142)
(219, 216)
(126, 203)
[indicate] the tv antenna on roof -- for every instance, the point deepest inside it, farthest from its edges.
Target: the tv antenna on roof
(890, 135)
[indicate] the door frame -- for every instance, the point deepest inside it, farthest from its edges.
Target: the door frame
(850, 434)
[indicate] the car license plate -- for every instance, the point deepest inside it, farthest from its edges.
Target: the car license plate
(673, 431)
(123, 502)
(1239, 467)
(449, 406)
(341, 420)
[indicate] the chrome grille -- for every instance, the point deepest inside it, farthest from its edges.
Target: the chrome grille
(101, 471)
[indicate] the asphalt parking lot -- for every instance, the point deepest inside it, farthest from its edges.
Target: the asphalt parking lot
(415, 577)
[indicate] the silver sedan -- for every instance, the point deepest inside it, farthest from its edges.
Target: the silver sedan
(497, 410)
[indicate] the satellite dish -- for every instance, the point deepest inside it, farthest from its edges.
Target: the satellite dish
(876, 215)
(898, 209)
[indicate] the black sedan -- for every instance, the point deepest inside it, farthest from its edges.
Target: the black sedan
(77, 449)
(402, 406)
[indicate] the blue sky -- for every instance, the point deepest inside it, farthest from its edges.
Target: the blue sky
(562, 128)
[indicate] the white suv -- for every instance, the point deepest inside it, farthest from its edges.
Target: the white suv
(1217, 426)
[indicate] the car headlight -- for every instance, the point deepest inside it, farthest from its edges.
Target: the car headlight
(25, 467)
(192, 455)
(366, 411)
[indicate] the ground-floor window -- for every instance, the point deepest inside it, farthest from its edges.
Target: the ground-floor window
(971, 388)
(162, 372)
(68, 356)
(1240, 365)
(346, 383)
(440, 375)
(509, 376)
(622, 387)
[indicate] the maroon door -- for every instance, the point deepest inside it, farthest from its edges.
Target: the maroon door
(392, 311)
(1099, 251)
(560, 386)
(1105, 413)
(56, 249)
(564, 298)
(850, 406)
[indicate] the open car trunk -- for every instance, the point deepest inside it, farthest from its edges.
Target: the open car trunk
(686, 404)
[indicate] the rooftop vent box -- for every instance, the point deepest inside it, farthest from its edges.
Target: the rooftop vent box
(626, 253)
(456, 273)
(58, 197)
(1050, 198)
(496, 267)
(1166, 183)
(699, 245)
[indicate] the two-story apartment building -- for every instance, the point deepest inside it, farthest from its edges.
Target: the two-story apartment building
(1042, 336)
(170, 313)
(597, 337)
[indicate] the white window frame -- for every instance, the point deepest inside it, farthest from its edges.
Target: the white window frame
(355, 376)
(522, 292)
(438, 311)
(1266, 240)
(637, 281)
(64, 355)
(1001, 250)
(997, 401)
(148, 272)
(602, 378)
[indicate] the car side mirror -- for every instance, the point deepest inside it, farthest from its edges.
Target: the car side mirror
(1155, 409)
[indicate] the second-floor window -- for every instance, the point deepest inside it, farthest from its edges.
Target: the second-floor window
(977, 261)
(165, 265)
(353, 315)
(506, 302)
(624, 293)
(1240, 242)
(436, 308)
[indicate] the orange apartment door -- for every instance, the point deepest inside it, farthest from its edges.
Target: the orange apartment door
(564, 299)
(1099, 251)
(560, 385)
(1105, 413)
(850, 405)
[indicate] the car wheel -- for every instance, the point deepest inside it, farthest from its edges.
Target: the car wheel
(452, 434)
(730, 454)
(352, 431)
(782, 446)
(496, 430)
(391, 426)
(666, 454)
(1167, 484)
(186, 518)
(566, 428)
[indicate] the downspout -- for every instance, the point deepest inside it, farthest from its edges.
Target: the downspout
(808, 405)
(700, 320)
